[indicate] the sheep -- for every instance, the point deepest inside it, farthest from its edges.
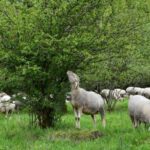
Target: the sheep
(4, 97)
(139, 109)
(18, 104)
(130, 90)
(123, 93)
(10, 107)
(115, 94)
(119, 94)
(7, 107)
(87, 102)
(146, 92)
(105, 93)
(138, 91)
(2, 107)
(135, 90)
(2, 94)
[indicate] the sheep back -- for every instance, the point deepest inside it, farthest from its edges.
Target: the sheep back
(139, 108)
(91, 102)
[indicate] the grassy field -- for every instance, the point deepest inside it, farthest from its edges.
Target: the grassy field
(15, 133)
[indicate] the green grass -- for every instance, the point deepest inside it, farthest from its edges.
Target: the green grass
(16, 134)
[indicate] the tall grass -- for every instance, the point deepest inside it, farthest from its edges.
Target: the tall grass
(16, 134)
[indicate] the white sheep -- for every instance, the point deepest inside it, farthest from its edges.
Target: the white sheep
(119, 94)
(7, 108)
(105, 93)
(2, 107)
(138, 91)
(10, 108)
(135, 90)
(18, 104)
(139, 109)
(4, 97)
(146, 92)
(83, 101)
(130, 90)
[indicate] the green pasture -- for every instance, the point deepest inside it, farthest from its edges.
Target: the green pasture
(16, 134)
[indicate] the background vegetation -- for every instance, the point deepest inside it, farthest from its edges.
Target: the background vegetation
(105, 41)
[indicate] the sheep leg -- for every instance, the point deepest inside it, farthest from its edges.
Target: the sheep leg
(76, 117)
(6, 113)
(135, 122)
(94, 120)
(132, 119)
(77, 113)
(102, 113)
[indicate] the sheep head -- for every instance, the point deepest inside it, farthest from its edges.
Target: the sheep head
(73, 79)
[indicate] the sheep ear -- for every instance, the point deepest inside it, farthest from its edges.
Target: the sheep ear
(72, 77)
(76, 84)
(76, 78)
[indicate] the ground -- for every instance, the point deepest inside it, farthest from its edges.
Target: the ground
(16, 134)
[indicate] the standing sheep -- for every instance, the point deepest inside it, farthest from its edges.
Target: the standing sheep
(10, 108)
(139, 109)
(7, 107)
(146, 92)
(119, 94)
(4, 97)
(130, 90)
(83, 101)
(105, 93)
(18, 105)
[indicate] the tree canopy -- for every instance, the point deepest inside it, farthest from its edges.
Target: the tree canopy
(105, 42)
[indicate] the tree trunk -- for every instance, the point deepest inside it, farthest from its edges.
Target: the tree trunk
(46, 117)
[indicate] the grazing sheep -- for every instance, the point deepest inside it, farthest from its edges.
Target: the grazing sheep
(4, 97)
(2, 94)
(18, 105)
(116, 94)
(130, 90)
(105, 93)
(139, 109)
(138, 91)
(119, 94)
(7, 107)
(123, 93)
(83, 101)
(135, 90)
(146, 92)
(10, 107)
(2, 107)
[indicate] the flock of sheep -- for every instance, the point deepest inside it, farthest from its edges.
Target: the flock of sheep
(91, 103)
(7, 105)
(139, 91)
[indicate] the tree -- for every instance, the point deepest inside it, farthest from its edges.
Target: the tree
(41, 40)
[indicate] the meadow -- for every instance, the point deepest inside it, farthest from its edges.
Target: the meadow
(119, 134)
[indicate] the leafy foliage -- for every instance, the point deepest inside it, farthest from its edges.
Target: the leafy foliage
(106, 42)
